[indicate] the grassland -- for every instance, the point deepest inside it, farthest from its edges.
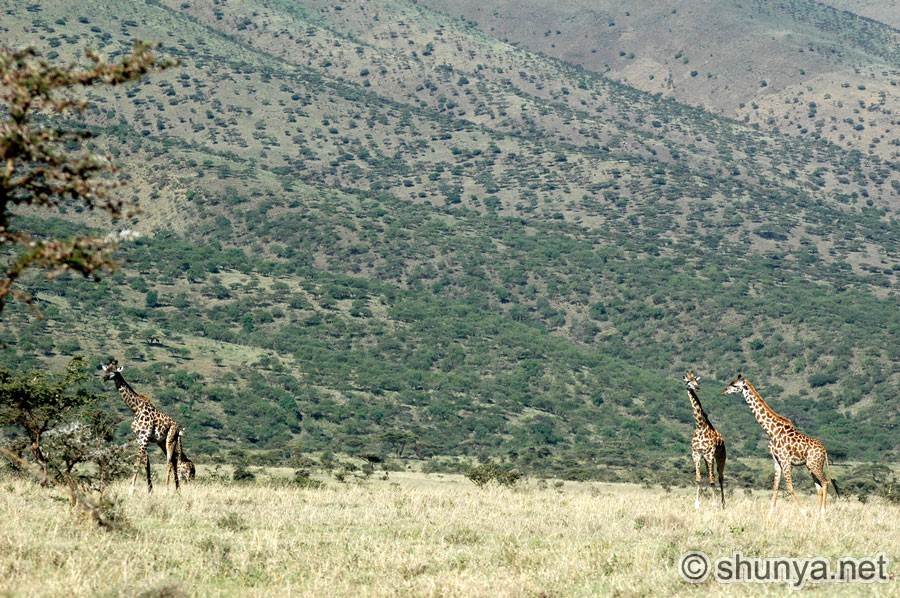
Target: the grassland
(412, 534)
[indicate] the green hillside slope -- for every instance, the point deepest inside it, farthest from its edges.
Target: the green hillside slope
(367, 217)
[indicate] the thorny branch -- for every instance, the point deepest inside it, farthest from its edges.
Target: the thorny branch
(78, 499)
(44, 165)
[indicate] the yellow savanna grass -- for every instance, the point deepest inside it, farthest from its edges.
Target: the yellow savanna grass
(416, 535)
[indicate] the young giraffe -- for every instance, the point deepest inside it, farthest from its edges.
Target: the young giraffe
(186, 468)
(788, 446)
(707, 444)
(149, 425)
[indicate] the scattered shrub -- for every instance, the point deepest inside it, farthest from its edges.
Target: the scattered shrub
(242, 474)
(482, 474)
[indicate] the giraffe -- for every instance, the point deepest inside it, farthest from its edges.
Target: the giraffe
(149, 425)
(707, 444)
(186, 468)
(788, 446)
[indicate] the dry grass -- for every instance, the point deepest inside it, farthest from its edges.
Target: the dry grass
(412, 535)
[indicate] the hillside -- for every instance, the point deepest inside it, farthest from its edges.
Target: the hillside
(811, 69)
(370, 217)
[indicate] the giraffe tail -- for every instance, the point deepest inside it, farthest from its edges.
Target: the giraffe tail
(833, 483)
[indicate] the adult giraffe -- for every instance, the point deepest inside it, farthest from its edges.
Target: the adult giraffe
(149, 425)
(707, 444)
(788, 445)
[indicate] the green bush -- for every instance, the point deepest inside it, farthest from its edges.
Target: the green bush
(481, 475)
(242, 474)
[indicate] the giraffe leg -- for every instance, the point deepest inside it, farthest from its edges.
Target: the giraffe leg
(825, 484)
(720, 467)
(776, 484)
(172, 457)
(696, 457)
(789, 482)
(147, 466)
(142, 459)
(169, 469)
(822, 496)
(818, 476)
(711, 470)
(138, 461)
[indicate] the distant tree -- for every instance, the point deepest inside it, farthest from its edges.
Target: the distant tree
(397, 440)
(151, 299)
(42, 163)
(481, 474)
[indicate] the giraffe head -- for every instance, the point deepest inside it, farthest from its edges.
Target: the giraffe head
(737, 386)
(692, 381)
(111, 369)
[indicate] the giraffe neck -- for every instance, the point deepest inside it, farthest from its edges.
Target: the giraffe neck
(131, 398)
(699, 415)
(767, 418)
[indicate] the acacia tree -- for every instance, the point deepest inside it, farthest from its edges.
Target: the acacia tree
(36, 402)
(44, 164)
(398, 440)
(87, 440)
